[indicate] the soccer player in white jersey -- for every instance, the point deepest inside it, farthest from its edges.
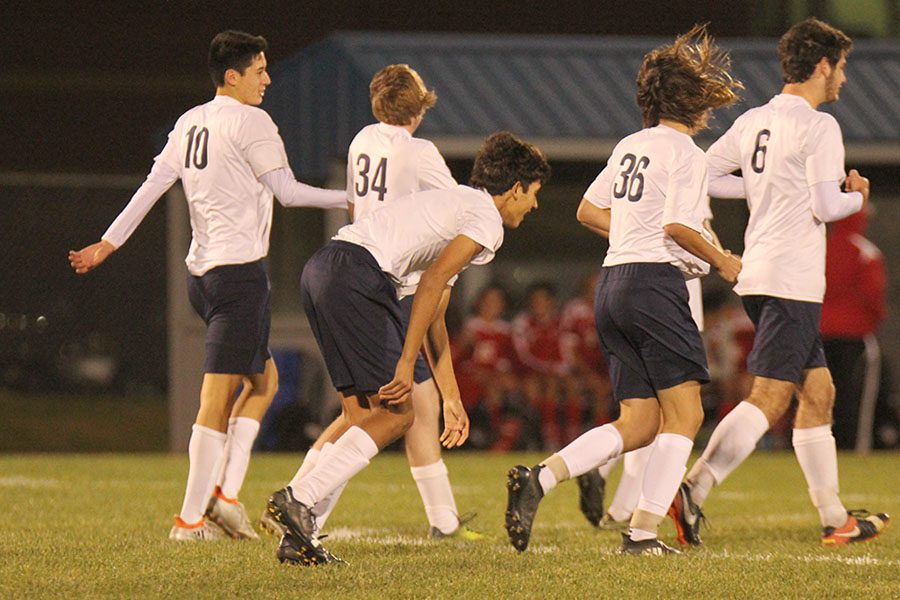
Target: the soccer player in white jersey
(350, 291)
(791, 158)
(649, 200)
(386, 162)
(591, 485)
(230, 159)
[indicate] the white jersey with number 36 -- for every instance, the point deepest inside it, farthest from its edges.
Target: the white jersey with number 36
(654, 177)
(386, 162)
(782, 149)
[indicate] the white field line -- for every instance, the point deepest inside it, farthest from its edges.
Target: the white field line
(20, 481)
(382, 536)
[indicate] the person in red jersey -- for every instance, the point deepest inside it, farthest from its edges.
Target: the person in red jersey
(852, 310)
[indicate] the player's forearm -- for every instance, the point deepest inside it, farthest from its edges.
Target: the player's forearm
(829, 203)
(159, 180)
(727, 186)
(424, 308)
(293, 193)
(594, 218)
(691, 241)
(442, 362)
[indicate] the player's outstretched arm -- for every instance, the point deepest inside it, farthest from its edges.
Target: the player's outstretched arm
(293, 193)
(458, 253)
(90, 257)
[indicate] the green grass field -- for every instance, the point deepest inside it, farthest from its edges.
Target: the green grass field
(95, 526)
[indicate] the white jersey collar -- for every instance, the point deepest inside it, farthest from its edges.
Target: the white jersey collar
(393, 129)
(225, 99)
(792, 99)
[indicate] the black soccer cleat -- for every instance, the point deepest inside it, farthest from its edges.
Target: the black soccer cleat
(293, 552)
(299, 544)
(687, 517)
(861, 526)
(652, 547)
(525, 494)
(591, 487)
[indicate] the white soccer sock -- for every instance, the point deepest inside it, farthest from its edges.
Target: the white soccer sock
(205, 451)
(606, 469)
(324, 508)
(350, 454)
(238, 444)
(309, 463)
(663, 473)
(547, 479)
(817, 455)
(433, 482)
(628, 491)
(732, 441)
(591, 449)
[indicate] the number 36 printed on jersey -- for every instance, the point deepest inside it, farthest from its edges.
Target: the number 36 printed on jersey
(631, 177)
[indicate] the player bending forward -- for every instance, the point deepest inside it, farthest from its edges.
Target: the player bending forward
(650, 200)
(386, 162)
(350, 292)
(791, 158)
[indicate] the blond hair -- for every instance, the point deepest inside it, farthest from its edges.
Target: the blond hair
(399, 95)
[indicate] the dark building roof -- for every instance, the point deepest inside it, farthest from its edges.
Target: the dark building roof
(572, 94)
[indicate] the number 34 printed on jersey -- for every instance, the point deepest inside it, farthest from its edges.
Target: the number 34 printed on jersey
(631, 177)
(375, 182)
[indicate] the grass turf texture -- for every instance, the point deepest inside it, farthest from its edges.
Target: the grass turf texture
(95, 526)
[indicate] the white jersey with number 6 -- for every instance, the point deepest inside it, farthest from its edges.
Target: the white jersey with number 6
(386, 162)
(654, 177)
(782, 149)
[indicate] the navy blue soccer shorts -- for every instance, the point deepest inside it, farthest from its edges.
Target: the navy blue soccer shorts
(235, 303)
(355, 316)
(646, 329)
(787, 338)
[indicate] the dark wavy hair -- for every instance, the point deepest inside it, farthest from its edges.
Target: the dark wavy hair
(233, 50)
(503, 160)
(684, 80)
(805, 44)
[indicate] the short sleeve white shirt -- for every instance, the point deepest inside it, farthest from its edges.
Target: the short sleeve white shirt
(782, 148)
(219, 150)
(654, 177)
(407, 234)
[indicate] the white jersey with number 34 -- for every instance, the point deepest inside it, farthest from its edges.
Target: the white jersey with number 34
(386, 162)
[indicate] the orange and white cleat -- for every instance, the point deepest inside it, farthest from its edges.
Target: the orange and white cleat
(201, 531)
(861, 526)
(230, 515)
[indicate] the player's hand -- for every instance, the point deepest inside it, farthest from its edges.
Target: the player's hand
(857, 183)
(90, 257)
(456, 424)
(729, 266)
(398, 390)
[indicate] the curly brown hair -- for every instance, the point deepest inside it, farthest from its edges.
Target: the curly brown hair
(805, 44)
(399, 95)
(503, 160)
(683, 81)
